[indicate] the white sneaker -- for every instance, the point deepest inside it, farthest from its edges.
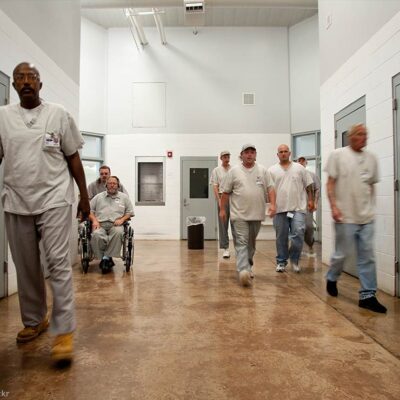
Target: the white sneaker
(244, 277)
(296, 267)
(280, 268)
(226, 254)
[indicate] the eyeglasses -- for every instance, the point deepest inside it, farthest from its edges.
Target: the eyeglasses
(30, 77)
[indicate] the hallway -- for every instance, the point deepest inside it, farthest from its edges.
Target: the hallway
(180, 327)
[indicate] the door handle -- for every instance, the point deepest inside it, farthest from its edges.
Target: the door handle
(185, 202)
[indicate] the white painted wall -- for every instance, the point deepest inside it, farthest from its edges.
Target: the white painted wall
(53, 25)
(353, 23)
(206, 75)
(16, 46)
(93, 83)
(368, 72)
(163, 222)
(304, 76)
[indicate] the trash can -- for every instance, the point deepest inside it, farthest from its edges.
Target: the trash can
(195, 232)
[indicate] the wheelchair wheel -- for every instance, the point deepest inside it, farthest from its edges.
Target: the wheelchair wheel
(85, 266)
(129, 250)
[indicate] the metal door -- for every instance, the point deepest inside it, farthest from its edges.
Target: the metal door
(351, 115)
(197, 196)
(4, 96)
(396, 120)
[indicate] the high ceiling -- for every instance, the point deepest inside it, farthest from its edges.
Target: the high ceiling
(110, 14)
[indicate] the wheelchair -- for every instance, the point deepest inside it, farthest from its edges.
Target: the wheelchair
(86, 253)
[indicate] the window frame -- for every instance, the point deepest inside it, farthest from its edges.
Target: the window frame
(150, 159)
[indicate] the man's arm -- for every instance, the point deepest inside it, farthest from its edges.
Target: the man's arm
(272, 201)
(76, 169)
(216, 192)
(330, 188)
(224, 203)
(120, 221)
(310, 196)
(95, 222)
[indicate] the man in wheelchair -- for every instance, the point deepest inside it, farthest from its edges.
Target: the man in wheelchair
(108, 212)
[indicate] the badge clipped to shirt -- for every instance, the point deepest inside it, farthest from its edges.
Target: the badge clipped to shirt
(289, 214)
(52, 139)
(259, 181)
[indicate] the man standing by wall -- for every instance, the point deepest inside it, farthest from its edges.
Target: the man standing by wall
(217, 175)
(39, 144)
(294, 195)
(352, 173)
(246, 187)
(309, 232)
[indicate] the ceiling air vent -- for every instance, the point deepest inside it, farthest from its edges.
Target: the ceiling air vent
(193, 6)
(249, 99)
(194, 13)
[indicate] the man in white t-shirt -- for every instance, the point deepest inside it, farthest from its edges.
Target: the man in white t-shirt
(247, 187)
(217, 176)
(294, 196)
(352, 173)
(309, 232)
(39, 147)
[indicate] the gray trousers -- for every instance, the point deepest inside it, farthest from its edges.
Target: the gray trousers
(309, 231)
(244, 239)
(52, 228)
(107, 240)
(223, 229)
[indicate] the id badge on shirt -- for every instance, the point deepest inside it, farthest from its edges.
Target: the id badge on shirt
(52, 140)
(289, 214)
(259, 181)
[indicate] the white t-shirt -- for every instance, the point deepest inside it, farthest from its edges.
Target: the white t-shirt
(217, 176)
(36, 174)
(248, 188)
(355, 174)
(290, 187)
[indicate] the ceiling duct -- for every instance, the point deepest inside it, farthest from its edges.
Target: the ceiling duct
(194, 13)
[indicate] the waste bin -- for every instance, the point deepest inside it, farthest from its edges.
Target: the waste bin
(195, 232)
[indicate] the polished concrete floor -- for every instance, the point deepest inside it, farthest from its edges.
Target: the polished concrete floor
(180, 327)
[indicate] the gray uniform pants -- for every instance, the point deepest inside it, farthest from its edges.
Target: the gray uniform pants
(244, 239)
(223, 229)
(309, 231)
(52, 228)
(107, 240)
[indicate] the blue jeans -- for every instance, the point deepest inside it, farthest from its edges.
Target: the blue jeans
(362, 236)
(244, 239)
(289, 228)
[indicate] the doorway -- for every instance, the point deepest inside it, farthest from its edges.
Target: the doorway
(4, 99)
(396, 123)
(308, 145)
(351, 115)
(197, 196)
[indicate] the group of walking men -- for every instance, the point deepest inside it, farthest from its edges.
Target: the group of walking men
(243, 191)
(42, 138)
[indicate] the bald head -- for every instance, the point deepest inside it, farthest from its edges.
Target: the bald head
(24, 65)
(283, 153)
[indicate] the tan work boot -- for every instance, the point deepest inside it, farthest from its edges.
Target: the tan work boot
(32, 332)
(63, 347)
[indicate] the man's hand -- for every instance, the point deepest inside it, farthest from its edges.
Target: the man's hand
(272, 210)
(311, 205)
(119, 222)
(337, 214)
(83, 209)
(95, 224)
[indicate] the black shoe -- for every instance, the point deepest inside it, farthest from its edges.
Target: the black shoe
(105, 266)
(331, 288)
(111, 263)
(372, 303)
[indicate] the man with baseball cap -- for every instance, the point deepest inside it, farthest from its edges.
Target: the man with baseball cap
(217, 175)
(246, 187)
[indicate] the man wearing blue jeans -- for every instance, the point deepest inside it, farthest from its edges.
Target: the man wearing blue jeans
(294, 195)
(352, 173)
(246, 187)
